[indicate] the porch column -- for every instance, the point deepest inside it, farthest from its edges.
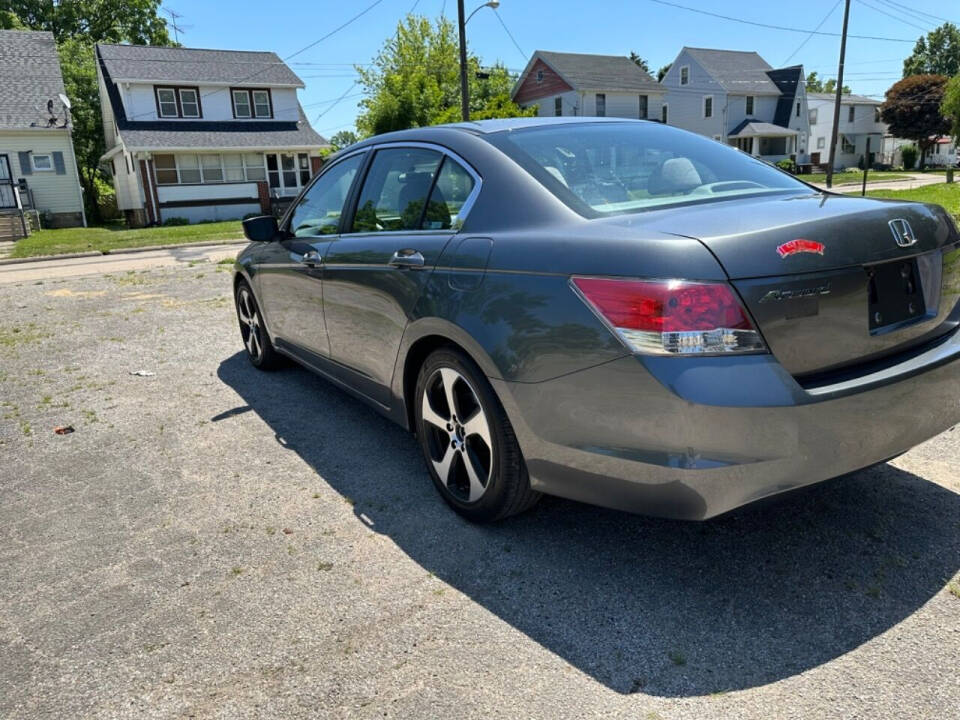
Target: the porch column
(755, 146)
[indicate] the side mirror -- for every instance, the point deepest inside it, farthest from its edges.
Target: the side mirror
(261, 229)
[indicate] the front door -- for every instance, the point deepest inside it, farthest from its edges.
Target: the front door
(406, 213)
(289, 277)
(8, 196)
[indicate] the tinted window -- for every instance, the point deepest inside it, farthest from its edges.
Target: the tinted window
(611, 169)
(454, 185)
(395, 190)
(318, 212)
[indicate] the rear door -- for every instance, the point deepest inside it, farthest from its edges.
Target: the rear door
(407, 210)
(290, 274)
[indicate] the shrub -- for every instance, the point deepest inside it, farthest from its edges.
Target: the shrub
(789, 165)
(176, 221)
(909, 154)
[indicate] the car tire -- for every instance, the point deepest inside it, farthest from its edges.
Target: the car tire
(470, 450)
(253, 332)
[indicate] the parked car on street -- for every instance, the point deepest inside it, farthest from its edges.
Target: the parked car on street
(613, 311)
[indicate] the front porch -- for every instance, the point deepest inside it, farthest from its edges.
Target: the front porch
(764, 140)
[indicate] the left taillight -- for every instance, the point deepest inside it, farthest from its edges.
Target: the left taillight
(672, 317)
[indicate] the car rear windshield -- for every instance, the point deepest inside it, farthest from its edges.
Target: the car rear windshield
(617, 168)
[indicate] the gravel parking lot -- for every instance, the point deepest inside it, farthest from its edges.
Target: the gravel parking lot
(216, 542)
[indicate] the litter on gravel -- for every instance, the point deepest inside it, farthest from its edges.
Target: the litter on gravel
(63, 429)
(143, 373)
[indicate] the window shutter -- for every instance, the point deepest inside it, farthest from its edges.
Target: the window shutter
(25, 167)
(58, 163)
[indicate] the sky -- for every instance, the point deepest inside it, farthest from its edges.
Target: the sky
(655, 30)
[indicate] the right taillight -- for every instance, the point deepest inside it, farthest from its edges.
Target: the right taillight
(672, 317)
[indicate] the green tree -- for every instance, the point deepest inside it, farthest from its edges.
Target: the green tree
(415, 81)
(815, 84)
(663, 71)
(76, 26)
(938, 53)
(641, 63)
(950, 107)
(343, 139)
(912, 110)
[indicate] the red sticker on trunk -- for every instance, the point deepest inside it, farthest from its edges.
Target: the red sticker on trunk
(800, 246)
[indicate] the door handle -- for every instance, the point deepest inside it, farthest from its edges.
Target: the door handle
(407, 258)
(311, 258)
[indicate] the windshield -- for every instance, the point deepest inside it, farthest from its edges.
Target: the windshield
(616, 168)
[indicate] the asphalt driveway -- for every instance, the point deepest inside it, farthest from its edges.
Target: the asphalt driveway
(216, 542)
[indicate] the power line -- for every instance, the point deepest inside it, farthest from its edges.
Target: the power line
(510, 34)
(336, 102)
(335, 30)
(908, 14)
(891, 15)
(776, 27)
(914, 10)
(810, 36)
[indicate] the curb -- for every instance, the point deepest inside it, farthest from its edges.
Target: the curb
(118, 251)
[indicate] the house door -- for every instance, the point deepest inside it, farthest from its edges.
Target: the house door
(287, 173)
(8, 196)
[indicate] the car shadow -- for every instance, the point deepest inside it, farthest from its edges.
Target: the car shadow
(662, 607)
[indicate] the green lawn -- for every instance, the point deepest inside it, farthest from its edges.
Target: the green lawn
(73, 240)
(942, 194)
(855, 176)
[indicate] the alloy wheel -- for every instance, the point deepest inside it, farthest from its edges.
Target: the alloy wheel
(249, 323)
(458, 435)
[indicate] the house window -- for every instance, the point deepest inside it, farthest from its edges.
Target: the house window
(253, 167)
(601, 105)
(233, 167)
(165, 168)
(821, 143)
(644, 105)
(558, 106)
(708, 106)
(851, 113)
(846, 146)
(252, 104)
(189, 167)
(189, 103)
(663, 113)
(539, 76)
(303, 162)
(178, 102)
(798, 109)
(212, 171)
(261, 104)
(241, 104)
(876, 113)
(813, 116)
(167, 102)
(41, 163)
(685, 75)
(749, 105)
(288, 168)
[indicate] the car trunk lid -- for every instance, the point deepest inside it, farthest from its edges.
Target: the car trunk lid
(825, 277)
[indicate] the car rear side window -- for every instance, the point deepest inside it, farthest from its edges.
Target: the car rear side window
(395, 190)
(450, 193)
(616, 168)
(319, 210)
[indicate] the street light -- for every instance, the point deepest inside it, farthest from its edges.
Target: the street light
(464, 89)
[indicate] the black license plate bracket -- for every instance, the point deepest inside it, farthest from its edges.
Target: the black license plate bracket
(896, 298)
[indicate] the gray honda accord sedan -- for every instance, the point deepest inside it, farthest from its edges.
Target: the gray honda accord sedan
(613, 311)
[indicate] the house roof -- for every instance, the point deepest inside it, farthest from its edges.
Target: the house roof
(150, 63)
(598, 72)
(788, 80)
(848, 99)
(207, 134)
(751, 128)
(29, 78)
(738, 72)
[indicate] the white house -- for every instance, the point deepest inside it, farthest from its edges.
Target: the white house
(859, 121)
(943, 153)
(38, 169)
(202, 134)
(737, 98)
(593, 85)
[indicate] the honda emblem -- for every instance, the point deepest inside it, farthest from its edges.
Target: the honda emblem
(902, 233)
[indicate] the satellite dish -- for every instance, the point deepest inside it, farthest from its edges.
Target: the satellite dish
(65, 100)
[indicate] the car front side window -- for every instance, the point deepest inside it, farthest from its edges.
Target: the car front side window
(318, 212)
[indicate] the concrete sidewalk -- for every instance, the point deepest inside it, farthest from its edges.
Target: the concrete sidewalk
(916, 180)
(116, 262)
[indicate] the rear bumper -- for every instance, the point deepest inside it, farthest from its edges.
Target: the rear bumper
(691, 438)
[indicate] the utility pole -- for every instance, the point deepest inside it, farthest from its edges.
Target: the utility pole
(464, 88)
(839, 97)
